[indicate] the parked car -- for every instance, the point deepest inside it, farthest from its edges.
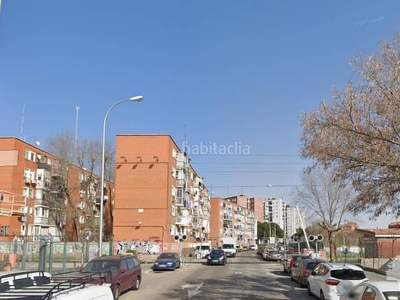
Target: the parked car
(374, 290)
(289, 262)
(272, 255)
(42, 285)
(331, 280)
(167, 261)
(302, 269)
(126, 272)
(253, 247)
(217, 257)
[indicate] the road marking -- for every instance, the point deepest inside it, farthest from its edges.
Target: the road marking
(192, 292)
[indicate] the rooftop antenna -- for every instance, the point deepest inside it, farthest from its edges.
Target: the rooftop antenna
(76, 131)
(23, 113)
(185, 140)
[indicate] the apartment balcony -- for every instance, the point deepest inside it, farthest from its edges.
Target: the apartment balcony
(196, 225)
(180, 182)
(43, 166)
(180, 201)
(183, 221)
(42, 202)
(227, 217)
(41, 220)
(227, 224)
(57, 172)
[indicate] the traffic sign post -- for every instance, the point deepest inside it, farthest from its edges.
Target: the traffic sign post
(180, 239)
(316, 239)
(345, 251)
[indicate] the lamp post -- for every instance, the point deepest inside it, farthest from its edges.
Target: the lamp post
(137, 99)
(284, 220)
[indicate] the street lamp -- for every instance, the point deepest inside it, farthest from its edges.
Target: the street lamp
(137, 99)
(284, 220)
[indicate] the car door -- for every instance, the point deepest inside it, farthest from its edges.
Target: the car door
(295, 270)
(356, 292)
(315, 279)
(125, 275)
(131, 271)
(137, 271)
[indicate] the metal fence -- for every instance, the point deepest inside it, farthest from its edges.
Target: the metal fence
(47, 255)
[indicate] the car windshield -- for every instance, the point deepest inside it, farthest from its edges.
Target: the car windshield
(167, 256)
(101, 266)
(217, 252)
(228, 246)
(312, 265)
(348, 274)
(295, 258)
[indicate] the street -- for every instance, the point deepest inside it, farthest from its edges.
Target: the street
(245, 277)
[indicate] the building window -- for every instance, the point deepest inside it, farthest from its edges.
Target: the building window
(173, 153)
(29, 155)
(173, 172)
(27, 192)
(173, 191)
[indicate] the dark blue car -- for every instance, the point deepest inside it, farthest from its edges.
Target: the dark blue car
(167, 261)
(217, 257)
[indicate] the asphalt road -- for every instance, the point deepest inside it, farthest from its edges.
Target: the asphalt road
(245, 277)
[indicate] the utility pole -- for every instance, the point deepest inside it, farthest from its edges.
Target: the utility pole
(76, 132)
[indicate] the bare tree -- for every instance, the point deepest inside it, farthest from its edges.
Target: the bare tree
(327, 199)
(358, 133)
(86, 159)
(62, 209)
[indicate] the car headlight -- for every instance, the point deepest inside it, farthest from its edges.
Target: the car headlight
(169, 264)
(221, 258)
(156, 263)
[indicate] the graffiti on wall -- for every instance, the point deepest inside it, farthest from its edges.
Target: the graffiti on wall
(141, 247)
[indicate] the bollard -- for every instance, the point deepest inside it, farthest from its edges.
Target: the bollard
(23, 260)
(12, 258)
(51, 255)
(64, 256)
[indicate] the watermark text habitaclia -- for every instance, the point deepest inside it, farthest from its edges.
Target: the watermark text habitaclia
(212, 148)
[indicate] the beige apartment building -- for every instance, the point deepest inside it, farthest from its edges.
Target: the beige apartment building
(231, 219)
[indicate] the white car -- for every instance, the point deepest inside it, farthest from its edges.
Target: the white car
(375, 290)
(253, 247)
(331, 280)
(42, 285)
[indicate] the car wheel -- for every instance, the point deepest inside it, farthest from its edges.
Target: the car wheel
(309, 290)
(299, 281)
(321, 296)
(116, 292)
(136, 286)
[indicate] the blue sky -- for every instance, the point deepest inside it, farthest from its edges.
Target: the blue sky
(235, 72)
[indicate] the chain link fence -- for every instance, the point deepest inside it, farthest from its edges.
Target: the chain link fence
(44, 254)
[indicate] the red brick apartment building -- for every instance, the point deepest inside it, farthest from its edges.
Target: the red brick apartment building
(41, 195)
(159, 196)
(230, 217)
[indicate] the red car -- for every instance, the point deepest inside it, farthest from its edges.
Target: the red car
(288, 264)
(125, 270)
